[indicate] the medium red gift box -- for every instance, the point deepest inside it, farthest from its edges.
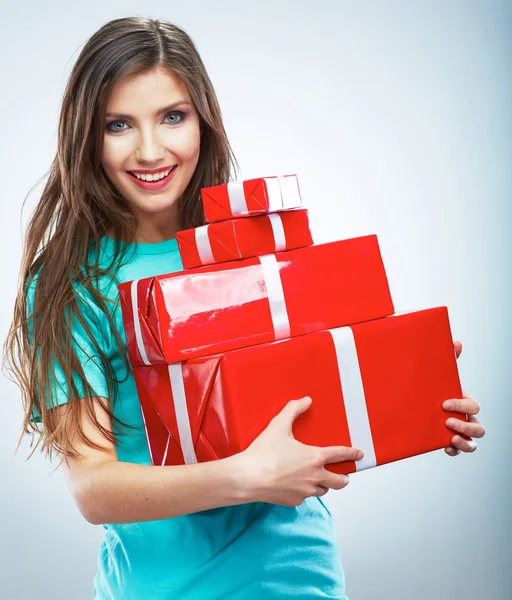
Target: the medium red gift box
(250, 197)
(378, 386)
(222, 307)
(244, 237)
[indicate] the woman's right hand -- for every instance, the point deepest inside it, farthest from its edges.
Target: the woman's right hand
(277, 468)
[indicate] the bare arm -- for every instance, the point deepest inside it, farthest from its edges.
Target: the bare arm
(275, 468)
(109, 491)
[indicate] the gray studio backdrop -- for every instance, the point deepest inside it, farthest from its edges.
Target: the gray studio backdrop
(396, 117)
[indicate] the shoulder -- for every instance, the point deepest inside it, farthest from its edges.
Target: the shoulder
(43, 293)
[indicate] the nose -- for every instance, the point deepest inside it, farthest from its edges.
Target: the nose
(150, 148)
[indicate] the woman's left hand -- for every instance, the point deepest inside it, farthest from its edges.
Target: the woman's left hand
(467, 406)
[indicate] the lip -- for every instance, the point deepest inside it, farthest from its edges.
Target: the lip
(153, 185)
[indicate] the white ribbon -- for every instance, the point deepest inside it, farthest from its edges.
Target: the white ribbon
(278, 231)
(237, 202)
(353, 396)
(283, 193)
(275, 295)
(290, 192)
(181, 409)
(136, 322)
(275, 192)
(203, 245)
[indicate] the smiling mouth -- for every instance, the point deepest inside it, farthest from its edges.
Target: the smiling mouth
(153, 180)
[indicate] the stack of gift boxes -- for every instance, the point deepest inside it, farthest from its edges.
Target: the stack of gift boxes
(261, 315)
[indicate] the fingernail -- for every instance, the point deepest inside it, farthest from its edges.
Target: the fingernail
(359, 455)
(449, 405)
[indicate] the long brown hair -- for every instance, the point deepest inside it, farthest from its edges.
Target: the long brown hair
(79, 205)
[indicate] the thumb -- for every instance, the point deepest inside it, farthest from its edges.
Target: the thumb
(294, 408)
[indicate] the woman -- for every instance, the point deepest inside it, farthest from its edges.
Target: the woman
(251, 526)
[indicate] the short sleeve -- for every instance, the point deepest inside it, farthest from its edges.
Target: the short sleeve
(85, 349)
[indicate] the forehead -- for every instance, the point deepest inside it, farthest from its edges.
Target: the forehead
(147, 91)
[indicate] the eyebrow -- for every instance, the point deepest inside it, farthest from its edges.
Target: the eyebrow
(158, 112)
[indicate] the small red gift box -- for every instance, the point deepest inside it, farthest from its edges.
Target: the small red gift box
(250, 197)
(245, 237)
(378, 386)
(221, 307)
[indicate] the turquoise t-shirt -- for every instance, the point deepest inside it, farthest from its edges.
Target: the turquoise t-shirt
(253, 551)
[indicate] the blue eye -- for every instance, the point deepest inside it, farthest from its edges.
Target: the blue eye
(175, 113)
(108, 128)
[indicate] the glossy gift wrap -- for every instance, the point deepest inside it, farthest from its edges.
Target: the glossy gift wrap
(241, 303)
(378, 386)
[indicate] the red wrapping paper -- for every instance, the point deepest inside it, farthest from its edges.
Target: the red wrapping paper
(243, 237)
(408, 369)
(250, 197)
(222, 307)
(157, 434)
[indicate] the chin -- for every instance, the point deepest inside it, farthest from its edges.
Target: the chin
(154, 207)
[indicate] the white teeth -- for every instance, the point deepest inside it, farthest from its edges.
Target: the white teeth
(154, 177)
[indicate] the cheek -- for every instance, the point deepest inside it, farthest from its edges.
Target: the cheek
(187, 145)
(110, 155)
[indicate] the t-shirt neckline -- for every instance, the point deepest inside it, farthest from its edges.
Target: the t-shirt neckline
(145, 248)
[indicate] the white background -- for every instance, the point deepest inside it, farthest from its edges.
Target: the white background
(396, 117)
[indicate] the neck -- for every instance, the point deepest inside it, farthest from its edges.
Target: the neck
(154, 228)
(153, 236)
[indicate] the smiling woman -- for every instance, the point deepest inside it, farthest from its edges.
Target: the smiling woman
(150, 138)
(248, 527)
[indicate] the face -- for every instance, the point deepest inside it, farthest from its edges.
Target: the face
(151, 125)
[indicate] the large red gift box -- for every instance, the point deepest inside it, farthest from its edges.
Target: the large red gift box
(244, 237)
(222, 307)
(378, 386)
(157, 434)
(250, 197)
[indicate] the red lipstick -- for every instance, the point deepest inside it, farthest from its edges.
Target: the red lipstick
(152, 185)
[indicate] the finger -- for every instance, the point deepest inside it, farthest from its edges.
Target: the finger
(451, 451)
(458, 348)
(467, 405)
(334, 481)
(334, 454)
(471, 429)
(292, 410)
(464, 445)
(321, 490)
